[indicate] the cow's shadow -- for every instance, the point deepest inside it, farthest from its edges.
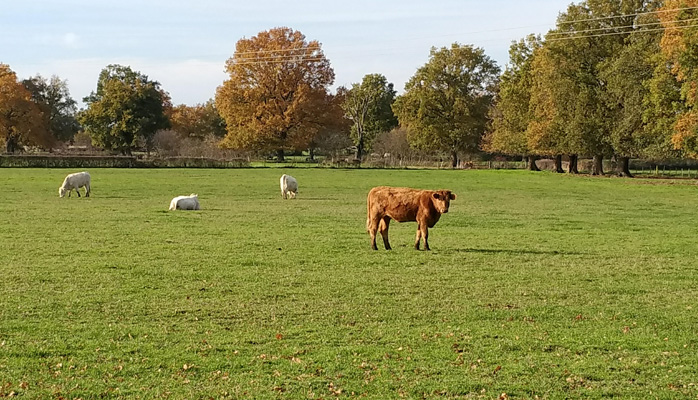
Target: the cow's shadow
(516, 251)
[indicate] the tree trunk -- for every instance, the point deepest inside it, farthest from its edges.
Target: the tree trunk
(311, 153)
(597, 168)
(532, 163)
(280, 155)
(572, 169)
(558, 164)
(10, 144)
(454, 159)
(360, 149)
(623, 167)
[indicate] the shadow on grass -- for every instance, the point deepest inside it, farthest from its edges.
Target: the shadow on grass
(517, 251)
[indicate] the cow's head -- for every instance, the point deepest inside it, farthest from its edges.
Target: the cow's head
(442, 200)
(61, 191)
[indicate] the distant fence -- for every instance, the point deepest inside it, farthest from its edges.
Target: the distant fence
(84, 161)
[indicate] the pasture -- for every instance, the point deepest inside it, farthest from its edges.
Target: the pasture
(538, 286)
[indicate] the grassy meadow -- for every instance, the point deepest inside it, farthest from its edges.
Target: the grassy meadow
(538, 286)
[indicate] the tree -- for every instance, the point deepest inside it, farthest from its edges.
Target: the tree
(445, 104)
(680, 58)
(197, 121)
(546, 132)
(626, 76)
(125, 108)
(571, 107)
(368, 107)
(21, 121)
(278, 85)
(53, 98)
(333, 133)
(512, 115)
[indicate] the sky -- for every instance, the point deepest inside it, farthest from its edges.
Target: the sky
(184, 44)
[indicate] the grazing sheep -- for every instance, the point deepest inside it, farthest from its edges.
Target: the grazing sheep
(289, 187)
(75, 181)
(190, 202)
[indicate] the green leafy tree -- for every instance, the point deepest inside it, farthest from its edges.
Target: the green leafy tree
(512, 114)
(368, 106)
(571, 106)
(626, 76)
(53, 98)
(445, 104)
(126, 107)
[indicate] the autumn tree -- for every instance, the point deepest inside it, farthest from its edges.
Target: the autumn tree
(333, 132)
(21, 120)
(546, 134)
(512, 114)
(126, 107)
(198, 121)
(368, 105)
(53, 98)
(678, 49)
(278, 83)
(445, 104)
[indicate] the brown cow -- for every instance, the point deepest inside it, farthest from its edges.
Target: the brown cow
(404, 204)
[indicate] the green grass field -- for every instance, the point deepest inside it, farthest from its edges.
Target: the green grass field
(538, 286)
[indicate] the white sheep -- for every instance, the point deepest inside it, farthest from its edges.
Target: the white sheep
(75, 181)
(289, 186)
(190, 202)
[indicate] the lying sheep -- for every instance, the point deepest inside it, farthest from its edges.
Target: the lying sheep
(190, 202)
(75, 181)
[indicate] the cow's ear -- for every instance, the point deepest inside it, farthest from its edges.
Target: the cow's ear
(453, 196)
(436, 196)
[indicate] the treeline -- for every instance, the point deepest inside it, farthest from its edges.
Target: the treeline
(613, 79)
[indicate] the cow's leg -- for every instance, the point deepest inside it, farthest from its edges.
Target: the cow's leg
(373, 223)
(87, 191)
(383, 229)
(419, 236)
(77, 190)
(425, 235)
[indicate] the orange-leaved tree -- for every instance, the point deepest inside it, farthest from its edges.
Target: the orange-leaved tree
(678, 46)
(198, 121)
(21, 120)
(278, 84)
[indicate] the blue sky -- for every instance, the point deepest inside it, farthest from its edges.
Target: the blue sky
(184, 44)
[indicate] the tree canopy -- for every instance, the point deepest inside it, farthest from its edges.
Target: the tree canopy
(53, 98)
(126, 107)
(278, 85)
(368, 105)
(445, 104)
(22, 122)
(512, 115)
(678, 50)
(198, 121)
